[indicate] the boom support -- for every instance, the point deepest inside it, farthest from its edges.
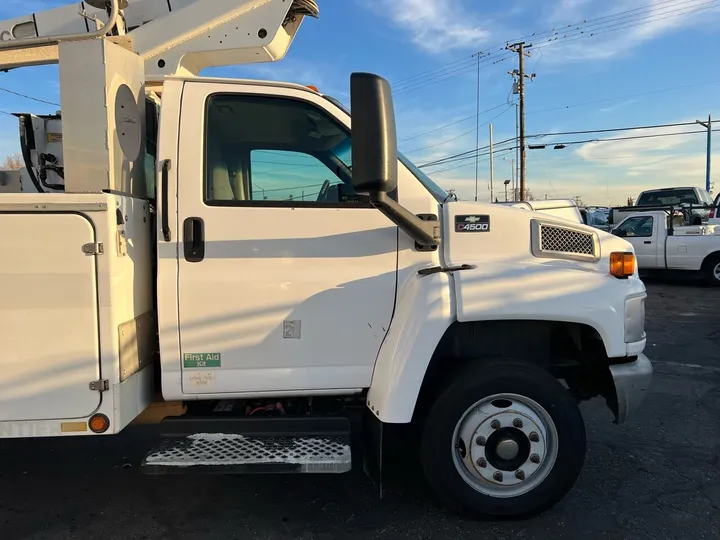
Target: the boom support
(171, 36)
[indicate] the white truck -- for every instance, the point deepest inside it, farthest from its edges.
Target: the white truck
(695, 204)
(662, 241)
(289, 268)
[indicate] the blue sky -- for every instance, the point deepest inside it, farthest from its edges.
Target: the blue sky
(656, 63)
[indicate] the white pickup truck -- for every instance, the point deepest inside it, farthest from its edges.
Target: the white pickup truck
(272, 265)
(665, 243)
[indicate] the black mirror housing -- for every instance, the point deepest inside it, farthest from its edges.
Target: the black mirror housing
(374, 140)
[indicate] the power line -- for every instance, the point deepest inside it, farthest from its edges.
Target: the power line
(654, 17)
(609, 130)
(473, 130)
(13, 92)
(617, 98)
(568, 143)
(585, 28)
(452, 124)
(459, 136)
(454, 167)
(471, 153)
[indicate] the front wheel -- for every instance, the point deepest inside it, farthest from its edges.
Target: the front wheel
(504, 439)
(712, 269)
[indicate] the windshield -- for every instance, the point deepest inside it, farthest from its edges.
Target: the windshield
(439, 193)
(668, 196)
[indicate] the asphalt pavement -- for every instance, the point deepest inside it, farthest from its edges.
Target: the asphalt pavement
(656, 477)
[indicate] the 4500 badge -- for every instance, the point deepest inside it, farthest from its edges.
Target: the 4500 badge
(476, 223)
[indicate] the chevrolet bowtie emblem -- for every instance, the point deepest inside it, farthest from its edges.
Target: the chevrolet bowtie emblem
(472, 219)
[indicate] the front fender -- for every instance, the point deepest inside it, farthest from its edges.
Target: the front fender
(550, 291)
(425, 309)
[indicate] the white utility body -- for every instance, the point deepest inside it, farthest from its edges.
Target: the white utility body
(249, 251)
(663, 242)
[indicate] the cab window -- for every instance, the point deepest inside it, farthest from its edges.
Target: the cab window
(276, 151)
(640, 226)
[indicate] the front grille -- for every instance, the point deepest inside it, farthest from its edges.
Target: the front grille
(565, 240)
(554, 240)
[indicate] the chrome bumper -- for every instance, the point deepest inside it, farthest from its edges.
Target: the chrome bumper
(632, 383)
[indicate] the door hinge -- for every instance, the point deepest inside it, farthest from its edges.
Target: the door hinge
(93, 249)
(103, 385)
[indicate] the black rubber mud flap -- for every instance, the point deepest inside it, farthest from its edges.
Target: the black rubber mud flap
(372, 429)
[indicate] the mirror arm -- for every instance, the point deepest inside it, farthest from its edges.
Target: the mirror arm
(425, 233)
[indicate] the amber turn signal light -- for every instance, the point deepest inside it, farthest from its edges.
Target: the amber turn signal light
(99, 423)
(622, 265)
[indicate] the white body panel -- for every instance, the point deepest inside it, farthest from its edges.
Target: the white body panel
(68, 318)
(686, 249)
(510, 283)
(559, 208)
(48, 317)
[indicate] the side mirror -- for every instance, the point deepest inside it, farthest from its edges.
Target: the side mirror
(374, 141)
(619, 232)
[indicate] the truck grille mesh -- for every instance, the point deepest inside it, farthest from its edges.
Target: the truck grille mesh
(566, 241)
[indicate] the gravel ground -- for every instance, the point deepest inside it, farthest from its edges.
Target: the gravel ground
(657, 476)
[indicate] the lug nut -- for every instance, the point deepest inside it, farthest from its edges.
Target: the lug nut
(535, 458)
(520, 474)
(534, 437)
(482, 463)
(517, 423)
(495, 424)
(498, 476)
(480, 441)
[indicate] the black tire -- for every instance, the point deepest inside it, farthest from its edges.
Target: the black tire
(710, 266)
(467, 387)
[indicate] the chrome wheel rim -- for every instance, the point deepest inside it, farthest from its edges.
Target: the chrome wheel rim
(505, 445)
(716, 272)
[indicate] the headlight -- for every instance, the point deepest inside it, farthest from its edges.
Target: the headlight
(634, 319)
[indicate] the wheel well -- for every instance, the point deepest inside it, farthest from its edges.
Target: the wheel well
(711, 257)
(572, 352)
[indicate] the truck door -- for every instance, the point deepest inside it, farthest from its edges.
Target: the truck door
(642, 233)
(286, 278)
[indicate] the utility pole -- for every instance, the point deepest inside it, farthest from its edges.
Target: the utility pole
(708, 126)
(477, 131)
(492, 166)
(520, 49)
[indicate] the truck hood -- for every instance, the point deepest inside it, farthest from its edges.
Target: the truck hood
(527, 265)
(482, 233)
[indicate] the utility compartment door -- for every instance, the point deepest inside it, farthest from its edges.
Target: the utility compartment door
(48, 317)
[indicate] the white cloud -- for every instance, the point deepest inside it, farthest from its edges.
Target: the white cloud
(436, 26)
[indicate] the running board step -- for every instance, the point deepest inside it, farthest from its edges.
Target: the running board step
(251, 445)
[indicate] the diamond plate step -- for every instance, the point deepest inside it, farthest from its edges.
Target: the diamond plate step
(244, 446)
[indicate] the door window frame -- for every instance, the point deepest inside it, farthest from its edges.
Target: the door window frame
(246, 166)
(652, 231)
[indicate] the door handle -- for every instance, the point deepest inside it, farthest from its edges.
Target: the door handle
(164, 189)
(647, 242)
(194, 239)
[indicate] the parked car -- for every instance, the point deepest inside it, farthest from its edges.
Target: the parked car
(596, 217)
(663, 242)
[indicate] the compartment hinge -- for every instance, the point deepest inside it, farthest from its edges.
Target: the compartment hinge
(93, 248)
(103, 385)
